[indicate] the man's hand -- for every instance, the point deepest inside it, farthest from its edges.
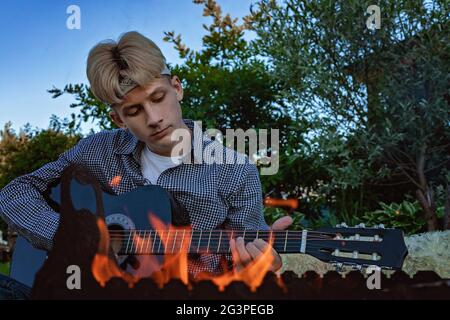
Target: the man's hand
(243, 253)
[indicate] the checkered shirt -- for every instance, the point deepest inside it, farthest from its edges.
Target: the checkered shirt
(214, 195)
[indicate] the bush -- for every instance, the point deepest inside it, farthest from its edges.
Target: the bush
(406, 216)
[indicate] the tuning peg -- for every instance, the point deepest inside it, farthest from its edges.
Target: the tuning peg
(361, 225)
(341, 225)
(339, 266)
(381, 226)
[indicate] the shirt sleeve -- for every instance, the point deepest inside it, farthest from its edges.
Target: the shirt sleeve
(245, 202)
(22, 202)
(245, 205)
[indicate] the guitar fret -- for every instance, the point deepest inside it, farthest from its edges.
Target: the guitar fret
(209, 239)
(128, 242)
(181, 245)
(220, 240)
(134, 242)
(148, 241)
(153, 245)
(174, 240)
(231, 237)
(160, 240)
(285, 240)
(199, 239)
(167, 241)
(142, 241)
(190, 241)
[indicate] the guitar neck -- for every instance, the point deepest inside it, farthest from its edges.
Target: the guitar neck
(203, 241)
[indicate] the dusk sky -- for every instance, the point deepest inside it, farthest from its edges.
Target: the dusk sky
(38, 51)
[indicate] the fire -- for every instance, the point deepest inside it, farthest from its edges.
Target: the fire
(148, 263)
(175, 266)
(115, 181)
(175, 262)
(252, 274)
(103, 267)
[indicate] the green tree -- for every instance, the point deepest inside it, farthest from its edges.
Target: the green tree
(28, 150)
(380, 96)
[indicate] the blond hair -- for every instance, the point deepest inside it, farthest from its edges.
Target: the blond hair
(133, 57)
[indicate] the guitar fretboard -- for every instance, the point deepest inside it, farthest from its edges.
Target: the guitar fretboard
(201, 241)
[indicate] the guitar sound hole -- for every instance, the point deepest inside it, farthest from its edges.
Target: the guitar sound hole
(117, 245)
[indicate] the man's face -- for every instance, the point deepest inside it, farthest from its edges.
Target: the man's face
(152, 112)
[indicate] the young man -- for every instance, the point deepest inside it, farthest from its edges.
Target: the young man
(131, 76)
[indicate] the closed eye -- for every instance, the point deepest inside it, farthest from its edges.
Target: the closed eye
(159, 99)
(133, 110)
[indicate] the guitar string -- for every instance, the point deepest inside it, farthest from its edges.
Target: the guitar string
(224, 230)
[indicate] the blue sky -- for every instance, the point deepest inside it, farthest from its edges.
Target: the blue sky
(38, 51)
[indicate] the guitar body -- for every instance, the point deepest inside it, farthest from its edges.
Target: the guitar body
(127, 211)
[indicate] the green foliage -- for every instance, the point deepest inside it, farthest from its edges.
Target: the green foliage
(377, 99)
(30, 149)
(272, 214)
(404, 215)
(90, 108)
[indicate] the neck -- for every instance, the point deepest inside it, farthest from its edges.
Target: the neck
(203, 241)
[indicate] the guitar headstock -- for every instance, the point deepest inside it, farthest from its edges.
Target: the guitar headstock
(358, 246)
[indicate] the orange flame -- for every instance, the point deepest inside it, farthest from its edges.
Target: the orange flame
(115, 181)
(148, 263)
(175, 263)
(175, 266)
(252, 274)
(103, 267)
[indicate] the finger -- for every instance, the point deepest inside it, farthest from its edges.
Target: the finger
(263, 246)
(244, 256)
(282, 223)
(234, 252)
(254, 252)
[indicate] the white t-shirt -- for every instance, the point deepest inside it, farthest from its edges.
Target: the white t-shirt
(152, 164)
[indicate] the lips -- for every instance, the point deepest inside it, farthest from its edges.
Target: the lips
(161, 133)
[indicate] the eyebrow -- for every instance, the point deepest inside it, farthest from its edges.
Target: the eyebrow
(154, 92)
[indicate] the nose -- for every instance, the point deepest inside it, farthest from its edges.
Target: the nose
(153, 116)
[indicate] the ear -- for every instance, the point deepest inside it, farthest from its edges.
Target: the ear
(176, 84)
(115, 117)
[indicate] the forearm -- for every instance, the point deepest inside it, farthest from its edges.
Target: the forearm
(24, 207)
